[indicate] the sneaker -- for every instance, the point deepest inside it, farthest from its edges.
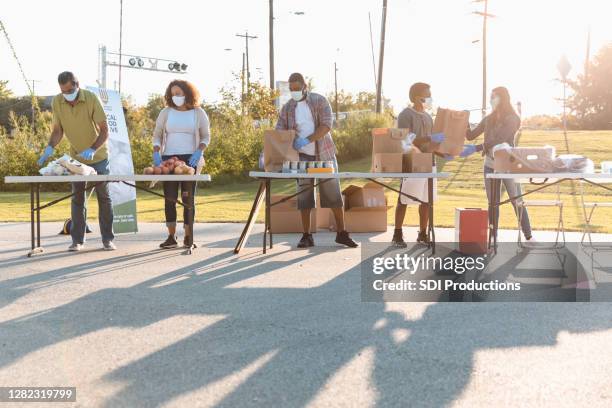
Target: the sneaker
(422, 238)
(398, 239)
(306, 242)
(75, 247)
(109, 246)
(343, 238)
(169, 243)
(186, 244)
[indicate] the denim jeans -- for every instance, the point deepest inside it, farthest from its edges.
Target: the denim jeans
(513, 189)
(79, 209)
(171, 189)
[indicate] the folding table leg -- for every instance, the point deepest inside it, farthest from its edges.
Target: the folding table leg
(190, 218)
(267, 217)
(35, 218)
(268, 208)
(432, 232)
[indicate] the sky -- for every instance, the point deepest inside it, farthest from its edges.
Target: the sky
(427, 41)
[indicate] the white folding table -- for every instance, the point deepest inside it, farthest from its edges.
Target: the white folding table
(264, 194)
(130, 180)
(542, 181)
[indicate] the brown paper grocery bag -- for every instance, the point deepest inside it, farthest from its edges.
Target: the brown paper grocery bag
(387, 141)
(454, 125)
(278, 147)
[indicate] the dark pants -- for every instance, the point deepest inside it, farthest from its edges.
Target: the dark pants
(171, 191)
(79, 210)
(514, 190)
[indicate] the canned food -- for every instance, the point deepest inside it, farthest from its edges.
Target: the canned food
(293, 165)
(301, 165)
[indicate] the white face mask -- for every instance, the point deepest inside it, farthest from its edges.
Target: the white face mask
(297, 95)
(495, 102)
(178, 100)
(71, 96)
(428, 103)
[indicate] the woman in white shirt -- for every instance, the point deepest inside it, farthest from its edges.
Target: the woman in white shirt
(182, 130)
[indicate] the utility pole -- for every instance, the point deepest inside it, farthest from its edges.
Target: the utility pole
(33, 97)
(336, 86)
(485, 17)
(271, 28)
(242, 78)
(247, 37)
(564, 68)
(120, 39)
(381, 59)
(484, 58)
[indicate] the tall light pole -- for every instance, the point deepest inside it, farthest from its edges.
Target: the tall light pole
(135, 62)
(381, 58)
(247, 37)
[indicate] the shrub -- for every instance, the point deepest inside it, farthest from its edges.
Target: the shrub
(353, 136)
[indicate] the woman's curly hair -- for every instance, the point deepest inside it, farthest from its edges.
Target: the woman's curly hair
(192, 96)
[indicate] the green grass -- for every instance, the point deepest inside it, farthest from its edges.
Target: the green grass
(232, 202)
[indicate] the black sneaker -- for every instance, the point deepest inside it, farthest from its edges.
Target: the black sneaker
(306, 242)
(423, 238)
(342, 237)
(398, 239)
(169, 243)
(186, 243)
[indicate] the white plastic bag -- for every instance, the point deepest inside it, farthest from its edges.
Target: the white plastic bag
(75, 167)
(54, 169)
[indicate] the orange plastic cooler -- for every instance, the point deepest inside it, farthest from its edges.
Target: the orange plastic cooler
(471, 230)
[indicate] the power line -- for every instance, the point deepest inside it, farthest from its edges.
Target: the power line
(25, 77)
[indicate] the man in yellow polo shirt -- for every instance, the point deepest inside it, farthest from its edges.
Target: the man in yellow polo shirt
(78, 114)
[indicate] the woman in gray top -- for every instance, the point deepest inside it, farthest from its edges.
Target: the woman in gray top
(499, 127)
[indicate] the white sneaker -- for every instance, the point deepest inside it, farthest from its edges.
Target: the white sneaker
(75, 247)
(109, 246)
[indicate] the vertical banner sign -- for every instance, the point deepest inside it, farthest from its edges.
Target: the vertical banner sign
(120, 159)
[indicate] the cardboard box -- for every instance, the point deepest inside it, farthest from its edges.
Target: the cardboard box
(388, 140)
(471, 230)
(365, 209)
(454, 125)
(417, 162)
(524, 160)
(388, 163)
(285, 218)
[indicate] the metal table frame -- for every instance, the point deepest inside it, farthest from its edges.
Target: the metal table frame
(264, 195)
(547, 180)
(130, 180)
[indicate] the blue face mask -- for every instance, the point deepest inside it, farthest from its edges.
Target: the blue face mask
(71, 96)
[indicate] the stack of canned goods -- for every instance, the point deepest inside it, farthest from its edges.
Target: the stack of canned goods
(303, 166)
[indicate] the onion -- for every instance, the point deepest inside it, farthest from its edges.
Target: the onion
(157, 170)
(148, 170)
(165, 170)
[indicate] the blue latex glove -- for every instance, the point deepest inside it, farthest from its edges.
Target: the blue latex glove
(300, 142)
(438, 137)
(448, 157)
(468, 150)
(87, 154)
(195, 158)
(157, 159)
(46, 154)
